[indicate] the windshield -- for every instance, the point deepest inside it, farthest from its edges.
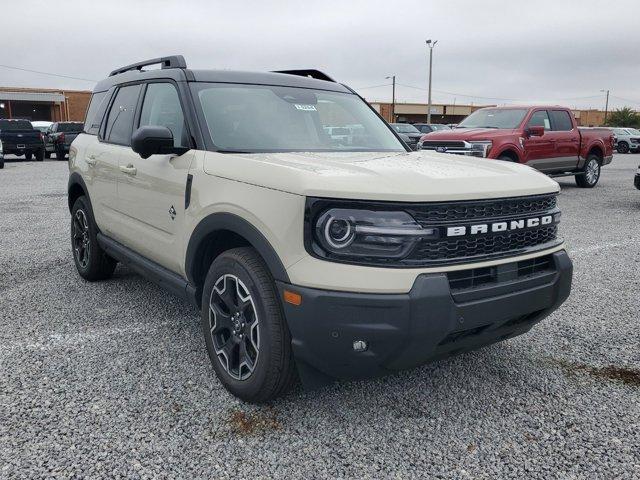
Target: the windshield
(633, 131)
(404, 128)
(70, 127)
(436, 126)
(263, 118)
(494, 118)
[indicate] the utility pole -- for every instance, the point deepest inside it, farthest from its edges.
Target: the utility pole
(430, 44)
(393, 97)
(606, 106)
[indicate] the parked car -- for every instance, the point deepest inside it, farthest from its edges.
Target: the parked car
(627, 140)
(544, 137)
(18, 137)
(410, 134)
(306, 258)
(60, 136)
(431, 127)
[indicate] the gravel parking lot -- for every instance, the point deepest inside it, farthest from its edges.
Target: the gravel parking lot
(112, 379)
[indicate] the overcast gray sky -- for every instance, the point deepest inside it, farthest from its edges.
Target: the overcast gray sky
(518, 51)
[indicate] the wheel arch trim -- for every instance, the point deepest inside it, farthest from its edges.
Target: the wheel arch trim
(222, 221)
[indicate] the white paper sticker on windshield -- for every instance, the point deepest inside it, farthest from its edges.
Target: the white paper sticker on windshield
(306, 108)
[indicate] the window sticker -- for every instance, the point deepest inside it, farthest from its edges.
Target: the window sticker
(306, 108)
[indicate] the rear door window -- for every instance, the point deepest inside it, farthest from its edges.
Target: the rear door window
(120, 119)
(561, 120)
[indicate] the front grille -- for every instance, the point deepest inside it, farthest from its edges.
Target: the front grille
(433, 144)
(483, 246)
(427, 214)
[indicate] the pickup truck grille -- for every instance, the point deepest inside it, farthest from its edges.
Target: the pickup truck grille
(432, 144)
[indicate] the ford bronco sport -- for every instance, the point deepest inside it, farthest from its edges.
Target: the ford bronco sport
(307, 257)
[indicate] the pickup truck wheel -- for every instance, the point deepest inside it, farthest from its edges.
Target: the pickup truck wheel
(91, 261)
(590, 172)
(28, 156)
(245, 332)
(47, 154)
(1, 162)
(623, 147)
(39, 155)
(59, 154)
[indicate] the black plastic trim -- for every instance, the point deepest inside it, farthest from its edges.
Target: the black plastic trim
(219, 222)
(187, 191)
(168, 280)
(173, 61)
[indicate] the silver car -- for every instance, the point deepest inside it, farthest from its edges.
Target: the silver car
(627, 139)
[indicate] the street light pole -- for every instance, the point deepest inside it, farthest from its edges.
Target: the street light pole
(430, 44)
(393, 97)
(606, 106)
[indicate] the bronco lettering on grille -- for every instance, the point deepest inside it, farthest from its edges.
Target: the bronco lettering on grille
(495, 227)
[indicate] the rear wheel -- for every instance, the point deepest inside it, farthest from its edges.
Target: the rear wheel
(623, 147)
(1, 162)
(60, 153)
(28, 155)
(39, 155)
(245, 332)
(91, 261)
(47, 154)
(590, 173)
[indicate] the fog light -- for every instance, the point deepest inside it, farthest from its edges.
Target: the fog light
(360, 345)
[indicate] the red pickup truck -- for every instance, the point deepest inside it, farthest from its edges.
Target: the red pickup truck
(544, 137)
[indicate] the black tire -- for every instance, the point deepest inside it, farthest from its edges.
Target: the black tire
(270, 370)
(91, 261)
(506, 158)
(60, 154)
(28, 155)
(47, 154)
(1, 163)
(39, 155)
(590, 173)
(623, 147)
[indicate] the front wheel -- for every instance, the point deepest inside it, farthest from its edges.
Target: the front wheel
(245, 332)
(1, 162)
(623, 147)
(590, 174)
(91, 261)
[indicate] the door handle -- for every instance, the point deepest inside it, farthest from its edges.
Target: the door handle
(91, 160)
(129, 169)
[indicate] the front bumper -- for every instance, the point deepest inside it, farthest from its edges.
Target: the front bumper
(431, 321)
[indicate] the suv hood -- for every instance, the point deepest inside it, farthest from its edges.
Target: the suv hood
(466, 134)
(397, 176)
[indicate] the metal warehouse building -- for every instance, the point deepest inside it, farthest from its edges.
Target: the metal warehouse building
(43, 104)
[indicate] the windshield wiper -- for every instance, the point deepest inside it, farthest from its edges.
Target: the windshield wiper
(233, 151)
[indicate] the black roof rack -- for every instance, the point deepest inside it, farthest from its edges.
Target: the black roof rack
(317, 74)
(173, 61)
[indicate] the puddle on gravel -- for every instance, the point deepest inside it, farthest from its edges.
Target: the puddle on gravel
(252, 423)
(628, 376)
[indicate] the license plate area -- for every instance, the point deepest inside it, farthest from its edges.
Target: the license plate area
(20, 146)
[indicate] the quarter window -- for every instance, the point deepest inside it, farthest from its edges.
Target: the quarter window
(162, 107)
(120, 119)
(540, 119)
(561, 120)
(92, 122)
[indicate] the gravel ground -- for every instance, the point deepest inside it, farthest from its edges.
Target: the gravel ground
(112, 379)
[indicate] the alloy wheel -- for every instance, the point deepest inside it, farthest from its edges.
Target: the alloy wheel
(234, 327)
(81, 240)
(593, 171)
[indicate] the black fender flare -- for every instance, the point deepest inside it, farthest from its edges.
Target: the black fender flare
(238, 225)
(76, 180)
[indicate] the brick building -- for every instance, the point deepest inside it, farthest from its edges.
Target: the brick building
(43, 104)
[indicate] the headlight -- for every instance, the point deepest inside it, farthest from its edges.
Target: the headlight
(354, 233)
(481, 147)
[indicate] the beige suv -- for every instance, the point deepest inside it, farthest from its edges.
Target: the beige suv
(309, 257)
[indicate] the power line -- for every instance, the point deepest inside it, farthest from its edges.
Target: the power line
(48, 73)
(372, 86)
(626, 100)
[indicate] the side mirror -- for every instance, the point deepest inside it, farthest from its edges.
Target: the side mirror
(535, 131)
(154, 140)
